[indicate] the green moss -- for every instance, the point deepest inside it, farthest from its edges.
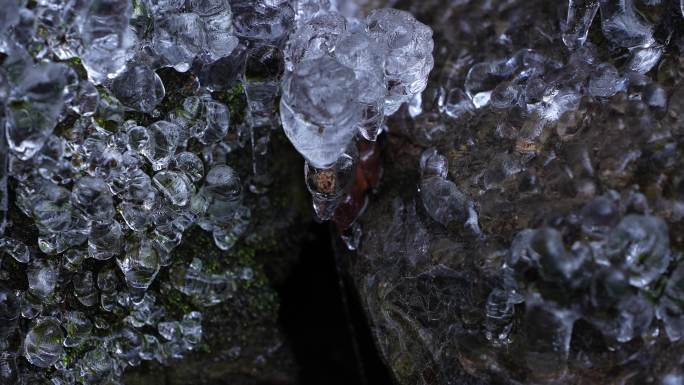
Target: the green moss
(213, 266)
(236, 102)
(77, 65)
(74, 353)
(177, 303)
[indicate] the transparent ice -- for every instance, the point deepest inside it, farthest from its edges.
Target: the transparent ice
(43, 343)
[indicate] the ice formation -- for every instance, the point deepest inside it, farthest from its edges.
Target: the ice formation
(117, 139)
(343, 76)
(539, 244)
(538, 235)
(112, 173)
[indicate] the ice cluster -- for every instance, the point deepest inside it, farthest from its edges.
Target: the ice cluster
(343, 76)
(540, 243)
(609, 254)
(117, 137)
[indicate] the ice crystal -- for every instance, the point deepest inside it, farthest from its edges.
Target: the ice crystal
(112, 168)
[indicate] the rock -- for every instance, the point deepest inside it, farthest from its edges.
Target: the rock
(565, 167)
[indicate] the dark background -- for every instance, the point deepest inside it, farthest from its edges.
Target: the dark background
(323, 320)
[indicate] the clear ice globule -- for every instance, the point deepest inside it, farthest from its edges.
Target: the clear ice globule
(342, 78)
(409, 58)
(43, 343)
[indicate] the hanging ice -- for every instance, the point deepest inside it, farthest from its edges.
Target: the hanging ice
(343, 79)
(319, 110)
(580, 15)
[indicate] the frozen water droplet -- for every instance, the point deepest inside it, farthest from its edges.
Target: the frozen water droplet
(73, 259)
(86, 99)
(171, 331)
(134, 215)
(366, 57)
(128, 345)
(31, 120)
(559, 102)
(139, 264)
(105, 240)
(548, 330)
(328, 186)
(150, 348)
(351, 236)
(16, 249)
(43, 343)
(138, 87)
(442, 199)
(482, 78)
(175, 186)
(179, 38)
(635, 316)
(107, 280)
(550, 255)
(190, 164)
(96, 364)
(499, 316)
(455, 103)
(262, 21)
(214, 124)
(599, 216)
(42, 278)
(139, 140)
(642, 244)
(645, 58)
(31, 305)
(225, 237)
(93, 197)
(604, 81)
(505, 95)
(432, 163)
(163, 138)
(191, 327)
(222, 191)
(106, 38)
(415, 105)
(204, 289)
(84, 288)
(314, 39)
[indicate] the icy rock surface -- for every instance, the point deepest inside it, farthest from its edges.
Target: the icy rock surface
(527, 227)
(122, 134)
